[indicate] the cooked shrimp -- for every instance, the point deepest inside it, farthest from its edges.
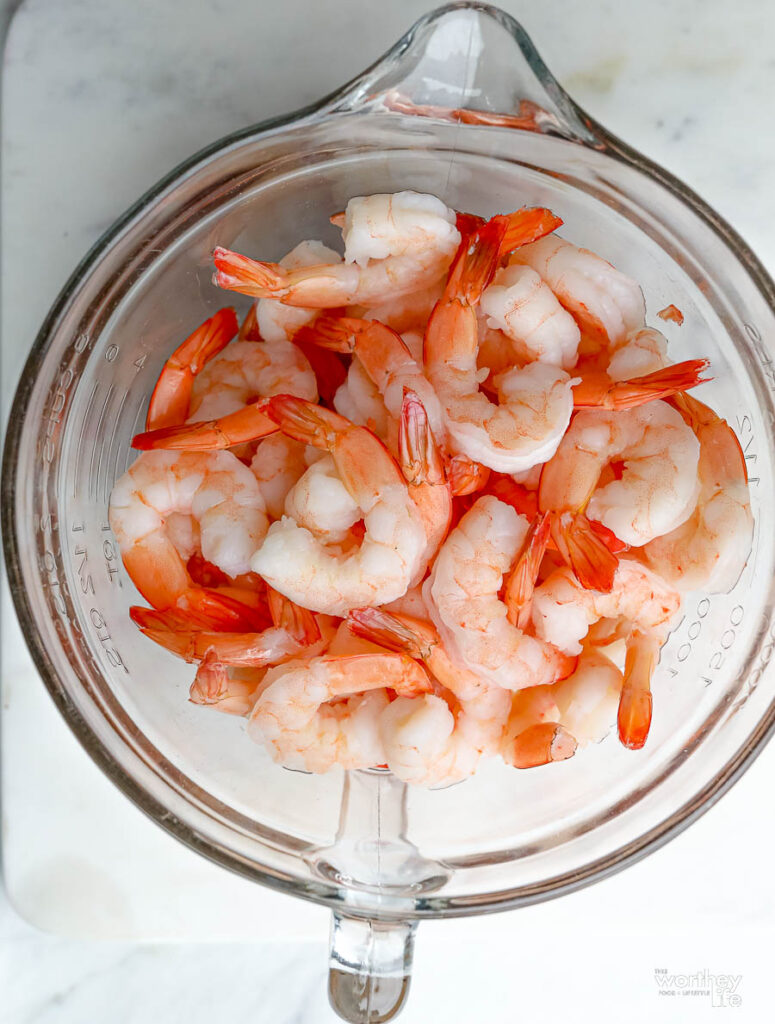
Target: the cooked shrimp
(644, 605)
(422, 466)
(535, 403)
(526, 310)
(278, 464)
(277, 321)
(301, 730)
(658, 486)
(533, 734)
(386, 359)
(463, 599)
(214, 488)
(300, 566)
(429, 741)
(171, 397)
(587, 701)
(605, 303)
(320, 502)
(710, 549)
(394, 245)
(563, 610)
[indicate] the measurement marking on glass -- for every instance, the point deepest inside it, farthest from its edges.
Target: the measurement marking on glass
(108, 483)
(92, 464)
(81, 439)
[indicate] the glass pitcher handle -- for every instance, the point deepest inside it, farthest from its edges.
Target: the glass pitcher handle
(473, 63)
(369, 968)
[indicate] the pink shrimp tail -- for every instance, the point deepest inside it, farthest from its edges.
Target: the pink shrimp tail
(635, 701)
(541, 744)
(298, 622)
(336, 333)
(593, 563)
(465, 476)
(518, 596)
(239, 273)
(468, 223)
(172, 394)
(525, 226)
(476, 262)
(211, 681)
(598, 390)
(306, 422)
(389, 631)
(418, 453)
(247, 424)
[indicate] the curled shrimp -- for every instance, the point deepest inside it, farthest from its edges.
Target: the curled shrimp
(657, 489)
(605, 303)
(525, 309)
(463, 596)
(171, 397)
(386, 359)
(535, 402)
(294, 719)
(548, 723)
(228, 395)
(711, 548)
(359, 400)
(642, 603)
(394, 245)
(300, 566)
(428, 740)
(278, 464)
(214, 488)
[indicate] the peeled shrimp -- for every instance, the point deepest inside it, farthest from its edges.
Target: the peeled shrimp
(658, 486)
(423, 469)
(321, 503)
(463, 598)
(535, 403)
(563, 610)
(171, 397)
(301, 730)
(214, 488)
(525, 309)
(710, 549)
(300, 566)
(645, 607)
(605, 303)
(227, 397)
(394, 245)
(386, 359)
(428, 740)
(277, 321)
(533, 734)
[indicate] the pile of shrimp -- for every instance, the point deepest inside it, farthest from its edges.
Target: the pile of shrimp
(433, 501)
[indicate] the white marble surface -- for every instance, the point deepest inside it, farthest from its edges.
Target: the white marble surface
(92, 115)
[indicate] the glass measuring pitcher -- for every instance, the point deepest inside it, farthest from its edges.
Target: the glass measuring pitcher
(381, 856)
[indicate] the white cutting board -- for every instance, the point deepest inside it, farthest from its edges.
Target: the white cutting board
(101, 97)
